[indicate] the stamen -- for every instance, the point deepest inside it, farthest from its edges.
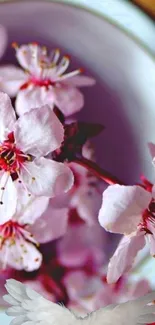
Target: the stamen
(15, 45)
(55, 56)
(62, 66)
(69, 75)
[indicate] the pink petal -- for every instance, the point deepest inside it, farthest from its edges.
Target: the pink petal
(29, 208)
(153, 191)
(11, 79)
(151, 147)
(8, 197)
(104, 297)
(124, 256)
(39, 131)
(82, 244)
(32, 97)
(7, 116)
(80, 81)
(79, 285)
(140, 289)
(21, 256)
(52, 224)
(4, 39)
(46, 177)
(122, 208)
(87, 200)
(68, 99)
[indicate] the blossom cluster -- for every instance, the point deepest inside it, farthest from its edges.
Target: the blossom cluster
(52, 210)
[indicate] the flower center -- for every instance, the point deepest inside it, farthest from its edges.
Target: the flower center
(14, 234)
(13, 231)
(11, 158)
(38, 82)
(149, 218)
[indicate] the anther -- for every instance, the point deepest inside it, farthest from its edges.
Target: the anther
(15, 45)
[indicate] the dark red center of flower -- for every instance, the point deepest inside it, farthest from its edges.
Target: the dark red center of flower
(9, 229)
(148, 217)
(11, 158)
(38, 82)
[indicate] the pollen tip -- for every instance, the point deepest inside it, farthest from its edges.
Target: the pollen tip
(34, 43)
(67, 57)
(29, 194)
(44, 48)
(15, 45)
(33, 178)
(1, 202)
(3, 188)
(36, 259)
(81, 70)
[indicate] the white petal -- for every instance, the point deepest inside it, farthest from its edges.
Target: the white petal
(29, 208)
(31, 97)
(46, 177)
(80, 81)
(122, 208)
(7, 116)
(11, 79)
(52, 225)
(21, 256)
(3, 38)
(68, 99)
(124, 256)
(39, 131)
(8, 197)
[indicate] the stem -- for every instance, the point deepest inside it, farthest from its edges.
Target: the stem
(98, 171)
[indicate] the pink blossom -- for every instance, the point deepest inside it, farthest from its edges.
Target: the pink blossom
(43, 80)
(85, 196)
(128, 210)
(23, 145)
(18, 246)
(92, 292)
(82, 245)
(51, 225)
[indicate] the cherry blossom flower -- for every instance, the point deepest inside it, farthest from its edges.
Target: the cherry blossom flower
(128, 210)
(43, 80)
(17, 244)
(23, 145)
(85, 196)
(82, 245)
(91, 291)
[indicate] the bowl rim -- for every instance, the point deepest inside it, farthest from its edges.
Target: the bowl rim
(141, 44)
